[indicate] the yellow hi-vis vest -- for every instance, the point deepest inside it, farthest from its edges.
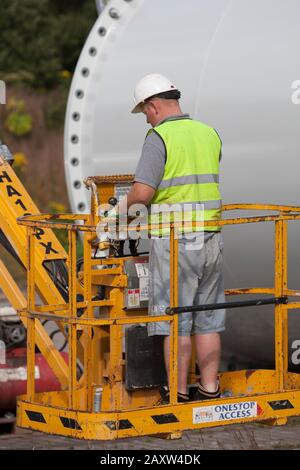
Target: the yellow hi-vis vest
(191, 178)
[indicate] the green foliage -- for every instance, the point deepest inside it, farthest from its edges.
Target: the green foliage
(55, 109)
(61, 234)
(40, 38)
(17, 78)
(18, 122)
(54, 115)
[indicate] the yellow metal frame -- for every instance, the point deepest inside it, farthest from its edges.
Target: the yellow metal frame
(15, 203)
(274, 394)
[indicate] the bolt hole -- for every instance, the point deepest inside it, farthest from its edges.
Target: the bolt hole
(74, 139)
(114, 13)
(85, 72)
(81, 206)
(93, 51)
(74, 162)
(77, 184)
(102, 31)
(76, 116)
(79, 94)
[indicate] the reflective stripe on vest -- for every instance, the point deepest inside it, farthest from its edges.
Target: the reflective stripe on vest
(189, 179)
(191, 173)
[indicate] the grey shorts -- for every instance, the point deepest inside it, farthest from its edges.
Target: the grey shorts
(200, 274)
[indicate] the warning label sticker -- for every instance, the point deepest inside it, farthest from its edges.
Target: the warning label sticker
(142, 269)
(133, 298)
(226, 412)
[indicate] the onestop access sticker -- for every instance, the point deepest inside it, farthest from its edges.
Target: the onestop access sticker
(225, 412)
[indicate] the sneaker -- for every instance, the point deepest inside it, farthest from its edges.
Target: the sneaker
(203, 394)
(165, 397)
(182, 397)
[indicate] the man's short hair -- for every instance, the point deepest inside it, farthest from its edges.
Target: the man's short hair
(166, 95)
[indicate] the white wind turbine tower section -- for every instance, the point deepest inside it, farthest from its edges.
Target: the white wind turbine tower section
(238, 66)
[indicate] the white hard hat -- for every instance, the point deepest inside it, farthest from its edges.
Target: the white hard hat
(148, 86)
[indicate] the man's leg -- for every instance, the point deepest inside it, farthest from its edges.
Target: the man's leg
(208, 350)
(167, 355)
(184, 357)
(208, 325)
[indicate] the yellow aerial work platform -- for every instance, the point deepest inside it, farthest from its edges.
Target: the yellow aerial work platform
(248, 395)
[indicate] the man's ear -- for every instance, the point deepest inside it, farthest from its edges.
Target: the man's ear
(154, 106)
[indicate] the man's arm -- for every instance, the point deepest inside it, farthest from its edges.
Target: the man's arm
(148, 174)
(140, 193)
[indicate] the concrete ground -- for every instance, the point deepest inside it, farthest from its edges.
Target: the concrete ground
(235, 437)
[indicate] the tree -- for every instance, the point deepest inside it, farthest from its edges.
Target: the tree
(39, 38)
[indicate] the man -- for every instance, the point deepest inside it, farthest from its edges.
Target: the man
(180, 164)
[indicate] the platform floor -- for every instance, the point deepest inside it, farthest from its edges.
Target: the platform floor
(235, 437)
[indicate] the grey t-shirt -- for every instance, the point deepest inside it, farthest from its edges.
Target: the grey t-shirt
(151, 166)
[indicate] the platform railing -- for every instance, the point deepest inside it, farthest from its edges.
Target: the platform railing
(68, 313)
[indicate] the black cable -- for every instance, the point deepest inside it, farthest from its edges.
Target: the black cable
(61, 285)
(6, 244)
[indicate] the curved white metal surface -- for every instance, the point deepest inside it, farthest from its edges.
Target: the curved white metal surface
(236, 63)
